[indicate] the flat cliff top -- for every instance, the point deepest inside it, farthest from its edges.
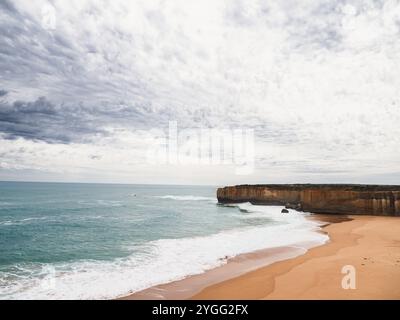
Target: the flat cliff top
(349, 187)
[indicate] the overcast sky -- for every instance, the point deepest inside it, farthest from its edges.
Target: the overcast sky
(318, 81)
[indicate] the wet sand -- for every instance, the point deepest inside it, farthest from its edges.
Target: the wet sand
(370, 244)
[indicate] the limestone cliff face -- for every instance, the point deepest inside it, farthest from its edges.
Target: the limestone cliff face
(319, 198)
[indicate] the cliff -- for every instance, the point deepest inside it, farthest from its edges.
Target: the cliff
(319, 198)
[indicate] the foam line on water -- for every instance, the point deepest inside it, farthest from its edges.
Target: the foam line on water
(158, 261)
(187, 198)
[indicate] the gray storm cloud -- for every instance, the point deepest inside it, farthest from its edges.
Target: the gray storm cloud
(42, 120)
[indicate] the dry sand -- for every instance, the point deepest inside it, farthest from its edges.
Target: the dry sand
(370, 244)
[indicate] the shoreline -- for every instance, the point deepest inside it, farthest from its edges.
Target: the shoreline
(235, 267)
(371, 244)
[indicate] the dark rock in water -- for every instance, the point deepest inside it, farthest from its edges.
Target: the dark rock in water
(285, 211)
(294, 206)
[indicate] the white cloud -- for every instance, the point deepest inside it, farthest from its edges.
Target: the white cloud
(318, 80)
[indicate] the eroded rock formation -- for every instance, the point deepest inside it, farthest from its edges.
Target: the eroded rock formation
(319, 198)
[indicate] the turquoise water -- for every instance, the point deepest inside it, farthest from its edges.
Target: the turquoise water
(83, 241)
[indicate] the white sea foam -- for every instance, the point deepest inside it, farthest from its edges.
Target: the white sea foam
(6, 204)
(101, 203)
(21, 221)
(6, 223)
(248, 210)
(162, 260)
(187, 198)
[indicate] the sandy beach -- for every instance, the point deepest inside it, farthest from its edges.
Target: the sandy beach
(369, 243)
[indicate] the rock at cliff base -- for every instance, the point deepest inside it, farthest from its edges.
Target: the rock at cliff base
(285, 211)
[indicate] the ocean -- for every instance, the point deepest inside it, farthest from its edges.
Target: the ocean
(102, 241)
